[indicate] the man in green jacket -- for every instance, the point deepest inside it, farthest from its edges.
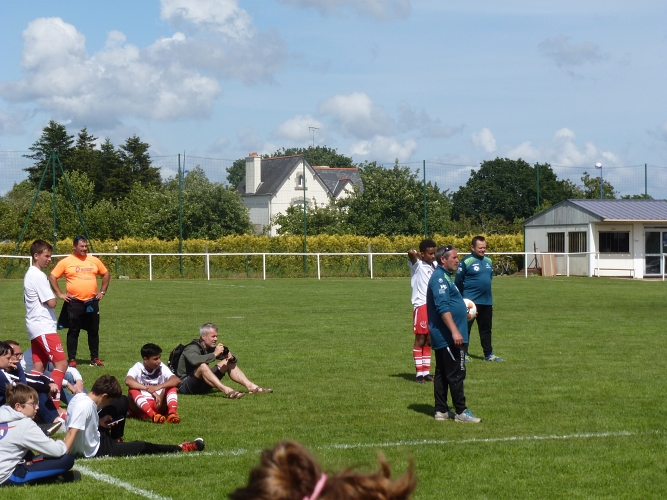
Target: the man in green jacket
(198, 378)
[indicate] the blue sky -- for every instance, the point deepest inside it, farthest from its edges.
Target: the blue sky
(571, 83)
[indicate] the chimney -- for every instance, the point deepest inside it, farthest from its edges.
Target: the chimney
(253, 173)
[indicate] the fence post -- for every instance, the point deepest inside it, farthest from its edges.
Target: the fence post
(150, 267)
(208, 265)
(370, 260)
(264, 265)
(318, 266)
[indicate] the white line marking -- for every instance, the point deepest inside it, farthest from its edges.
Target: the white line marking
(419, 442)
(117, 482)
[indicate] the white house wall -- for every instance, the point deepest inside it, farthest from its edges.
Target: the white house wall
(615, 264)
(259, 211)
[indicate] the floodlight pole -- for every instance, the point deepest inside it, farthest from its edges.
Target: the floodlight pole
(305, 224)
(599, 165)
(425, 225)
(53, 174)
(180, 211)
(537, 168)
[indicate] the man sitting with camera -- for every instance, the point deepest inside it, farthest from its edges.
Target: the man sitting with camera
(198, 378)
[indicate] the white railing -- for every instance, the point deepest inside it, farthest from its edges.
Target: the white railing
(528, 257)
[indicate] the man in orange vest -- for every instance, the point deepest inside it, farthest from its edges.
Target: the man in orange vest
(82, 297)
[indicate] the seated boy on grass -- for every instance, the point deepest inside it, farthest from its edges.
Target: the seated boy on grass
(20, 437)
(153, 388)
(96, 423)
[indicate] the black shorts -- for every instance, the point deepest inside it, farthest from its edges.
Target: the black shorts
(194, 385)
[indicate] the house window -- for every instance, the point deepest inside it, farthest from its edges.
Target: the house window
(615, 242)
(556, 242)
(299, 181)
(576, 241)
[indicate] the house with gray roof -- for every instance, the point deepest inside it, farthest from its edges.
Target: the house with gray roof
(271, 185)
(602, 237)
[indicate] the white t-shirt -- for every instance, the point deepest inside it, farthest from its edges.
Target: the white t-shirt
(158, 376)
(40, 319)
(26, 364)
(420, 273)
(82, 415)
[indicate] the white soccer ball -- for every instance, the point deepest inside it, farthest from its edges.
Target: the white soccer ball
(472, 309)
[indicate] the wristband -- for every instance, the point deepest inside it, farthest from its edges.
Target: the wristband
(103, 293)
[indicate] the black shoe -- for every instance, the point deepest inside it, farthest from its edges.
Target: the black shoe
(428, 378)
(71, 476)
(420, 379)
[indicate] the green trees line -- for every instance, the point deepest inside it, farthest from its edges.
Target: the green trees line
(121, 194)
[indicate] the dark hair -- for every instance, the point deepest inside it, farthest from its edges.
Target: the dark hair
(38, 246)
(476, 239)
(424, 244)
(11, 343)
(77, 239)
(443, 252)
(19, 393)
(107, 384)
(150, 350)
(289, 472)
(5, 348)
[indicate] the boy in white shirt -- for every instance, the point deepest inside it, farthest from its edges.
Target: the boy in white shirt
(40, 317)
(421, 268)
(153, 388)
(96, 423)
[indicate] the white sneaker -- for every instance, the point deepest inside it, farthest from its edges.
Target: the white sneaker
(448, 415)
(467, 417)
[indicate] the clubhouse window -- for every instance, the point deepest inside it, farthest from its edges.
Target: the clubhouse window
(556, 242)
(614, 242)
(576, 241)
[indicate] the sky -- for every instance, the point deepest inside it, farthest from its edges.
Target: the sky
(571, 83)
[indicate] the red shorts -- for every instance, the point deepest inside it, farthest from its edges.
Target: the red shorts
(420, 321)
(47, 348)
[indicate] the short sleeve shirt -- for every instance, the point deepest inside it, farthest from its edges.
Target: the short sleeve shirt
(82, 415)
(420, 273)
(81, 275)
(40, 319)
(158, 376)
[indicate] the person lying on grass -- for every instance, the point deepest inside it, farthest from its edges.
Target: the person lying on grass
(96, 423)
(152, 388)
(20, 437)
(196, 376)
(289, 472)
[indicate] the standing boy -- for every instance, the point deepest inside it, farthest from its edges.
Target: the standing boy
(153, 388)
(96, 424)
(40, 317)
(421, 268)
(473, 279)
(448, 322)
(81, 297)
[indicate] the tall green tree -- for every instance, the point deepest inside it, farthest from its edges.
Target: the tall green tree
(591, 188)
(54, 137)
(507, 189)
(392, 203)
(236, 173)
(134, 154)
(115, 176)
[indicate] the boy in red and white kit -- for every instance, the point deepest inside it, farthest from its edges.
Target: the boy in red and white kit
(153, 388)
(421, 268)
(40, 317)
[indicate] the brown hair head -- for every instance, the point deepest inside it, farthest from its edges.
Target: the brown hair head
(19, 393)
(289, 472)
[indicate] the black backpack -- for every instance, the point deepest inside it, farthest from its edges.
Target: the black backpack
(175, 356)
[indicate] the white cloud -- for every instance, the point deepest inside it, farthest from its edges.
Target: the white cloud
(561, 150)
(378, 9)
(222, 16)
(484, 139)
(297, 128)
(384, 149)
(660, 132)
(412, 119)
(568, 55)
(11, 122)
(357, 115)
(173, 78)
(219, 145)
(250, 141)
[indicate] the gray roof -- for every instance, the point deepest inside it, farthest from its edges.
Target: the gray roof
(274, 173)
(276, 170)
(601, 210)
(335, 179)
(625, 209)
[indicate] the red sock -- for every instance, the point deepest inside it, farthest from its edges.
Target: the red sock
(426, 359)
(172, 400)
(145, 405)
(417, 354)
(57, 377)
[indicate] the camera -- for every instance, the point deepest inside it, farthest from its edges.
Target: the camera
(223, 354)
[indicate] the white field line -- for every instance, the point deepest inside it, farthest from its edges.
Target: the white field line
(390, 444)
(117, 482)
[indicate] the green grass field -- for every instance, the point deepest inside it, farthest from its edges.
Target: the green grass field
(576, 411)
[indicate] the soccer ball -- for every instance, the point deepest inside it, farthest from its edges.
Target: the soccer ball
(472, 309)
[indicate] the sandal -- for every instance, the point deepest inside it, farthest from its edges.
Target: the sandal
(260, 390)
(235, 395)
